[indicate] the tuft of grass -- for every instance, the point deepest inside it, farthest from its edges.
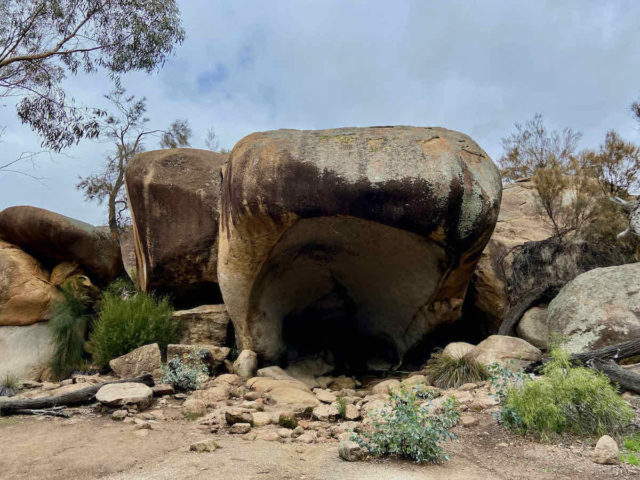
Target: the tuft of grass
(68, 326)
(631, 450)
(566, 398)
(124, 324)
(287, 421)
(445, 371)
(9, 385)
(342, 407)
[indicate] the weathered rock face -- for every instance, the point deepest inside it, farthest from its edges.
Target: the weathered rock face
(173, 195)
(52, 238)
(207, 324)
(519, 222)
(355, 241)
(25, 351)
(534, 327)
(25, 292)
(145, 359)
(598, 308)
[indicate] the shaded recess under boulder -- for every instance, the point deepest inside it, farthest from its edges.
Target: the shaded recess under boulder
(53, 238)
(173, 195)
(356, 242)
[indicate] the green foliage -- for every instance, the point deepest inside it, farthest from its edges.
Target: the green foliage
(445, 371)
(68, 326)
(9, 385)
(122, 287)
(124, 324)
(410, 428)
(565, 398)
(287, 421)
(185, 374)
(342, 407)
(631, 450)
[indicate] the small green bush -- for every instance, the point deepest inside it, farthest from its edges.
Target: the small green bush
(69, 326)
(342, 407)
(122, 287)
(445, 371)
(124, 324)
(409, 428)
(9, 385)
(287, 421)
(566, 398)
(185, 374)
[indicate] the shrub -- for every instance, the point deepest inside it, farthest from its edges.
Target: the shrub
(287, 421)
(565, 398)
(342, 407)
(124, 324)
(9, 385)
(184, 374)
(122, 287)
(409, 428)
(69, 327)
(445, 371)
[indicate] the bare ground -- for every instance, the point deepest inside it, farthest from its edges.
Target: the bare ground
(91, 446)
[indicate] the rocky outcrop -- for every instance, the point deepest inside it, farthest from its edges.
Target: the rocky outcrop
(25, 351)
(26, 294)
(598, 308)
(356, 241)
(206, 324)
(53, 238)
(173, 196)
(510, 352)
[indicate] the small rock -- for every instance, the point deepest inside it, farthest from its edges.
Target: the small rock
(145, 359)
(342, 382)
(270, 436)
(386, 386)
(162, 389)
(606, 451)
(414, 380)
(193, 408)
(350, 451)
(260, 419)
(237, 415)
(308, 437)
(246, 365)
(203, 446)
(352, 413)
(325, 396)
(68, 381)
(285, 433)
(119, 415)
(325, 412)
(240, 428)
(296, 432)
(141, 425)
(120, 394)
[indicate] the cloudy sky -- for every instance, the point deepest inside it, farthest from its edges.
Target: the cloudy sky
(469, 65)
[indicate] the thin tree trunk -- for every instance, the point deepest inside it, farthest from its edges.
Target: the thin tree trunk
(617, 352)
(79, 397)
(625, 378)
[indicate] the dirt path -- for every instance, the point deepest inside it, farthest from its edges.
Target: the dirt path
(88, 446)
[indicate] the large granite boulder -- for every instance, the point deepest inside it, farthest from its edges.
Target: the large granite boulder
(173, 196)
(354, 241)
(520, 221)
(598, 308)
(52, 238)
(25, 292)
(25, 351)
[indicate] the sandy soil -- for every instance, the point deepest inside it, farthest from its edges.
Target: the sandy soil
(90, 446)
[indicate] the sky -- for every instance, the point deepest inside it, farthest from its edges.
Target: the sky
(468, 65)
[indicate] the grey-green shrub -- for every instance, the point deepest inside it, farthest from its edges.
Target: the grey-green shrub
(184, 374)
(445, 371)
(68, 326)
(566, 398)
(409, 428)
(124, 324)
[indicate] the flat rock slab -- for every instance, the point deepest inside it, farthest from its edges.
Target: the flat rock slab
(120, 394)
